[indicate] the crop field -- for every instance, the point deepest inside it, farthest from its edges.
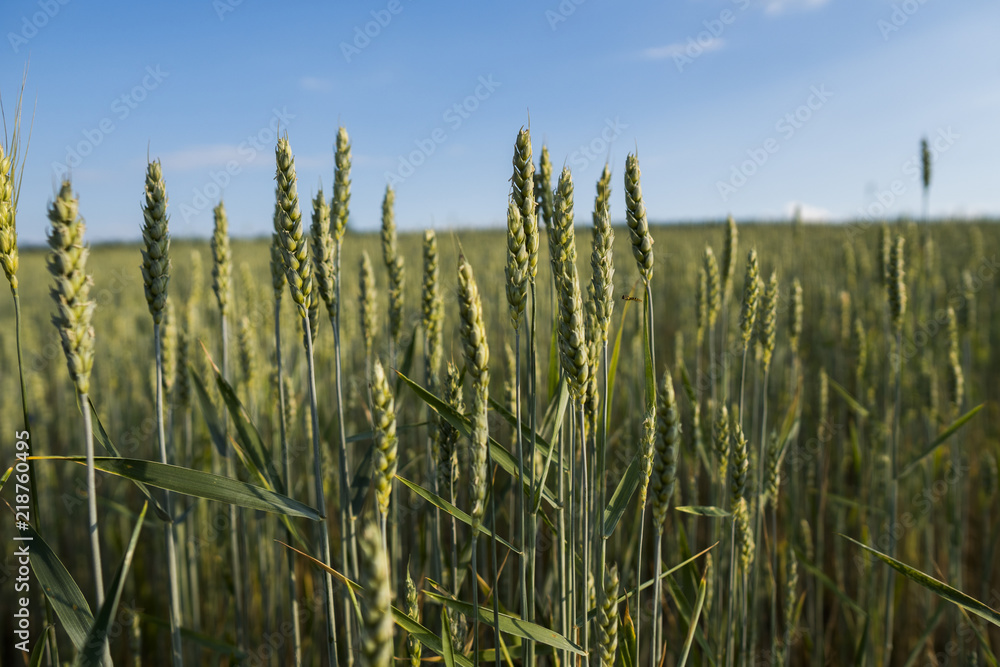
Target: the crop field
(566, 442)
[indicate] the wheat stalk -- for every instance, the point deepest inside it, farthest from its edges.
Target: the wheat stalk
(299, 273)
(413, 646)
(156, 277)
(386, 442)
(432, 317)
(607, 619)
(668, 437)
(895, 276)
(376, 612)
(477, 356)
(67, 262)
(397, 274)
(524, 194)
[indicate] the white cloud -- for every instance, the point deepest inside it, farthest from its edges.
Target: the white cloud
(679, 49)
(201, 157)
(781, 6)
(807, 212)
(315, 84)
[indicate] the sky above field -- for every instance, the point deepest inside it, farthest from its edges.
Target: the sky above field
(746, 107)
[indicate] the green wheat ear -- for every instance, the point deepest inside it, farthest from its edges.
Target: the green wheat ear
(394, 263)
(376, 612)
(222, 256)
(156, 252)
(516, 269)
(729, 250)
(607, 618)
(544, 198)
(74, 310)
(366, 301)
(413, 645)
(795, 316)
(572, 336)
(432, 308)
(386, 450)
(668, 438)
(523, 195)
(896, 276)
(635, 216)
(298, 264)
(601, 259)
(321, 242)
(477, 356)
(8, 233)
(751, 296)
(339, 208)
(769, 325)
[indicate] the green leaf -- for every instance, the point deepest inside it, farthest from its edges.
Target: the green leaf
(446, 651)
(445, 506)
(510, 625)
(920, 646)
(440, 645)
(829, 583)
(540, 442)
(552, 420)
(859, 650)
(407, 363)
(592, 612)
(362, 480)
(983, 640)
(937, 587)
(196, 483)
(196, 638)
(622, 496)
(616, 351)
(626, 630)
(554, 374)
(215, 429)
(703, 510)
(6, 476)
(852, 403)
(102, 437)
(249, 446)
(693, 624)
(61, 590)
(647, 338)
(555, 412)
(649, 582)
(498, 454)
(93, 650)
(38, 652)
(938, 441)
(426, 637)
(249, 436)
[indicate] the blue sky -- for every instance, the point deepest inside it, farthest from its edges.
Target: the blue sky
(742, 107)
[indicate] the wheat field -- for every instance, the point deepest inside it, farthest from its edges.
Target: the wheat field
(620, 443)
